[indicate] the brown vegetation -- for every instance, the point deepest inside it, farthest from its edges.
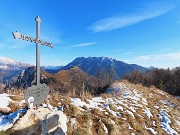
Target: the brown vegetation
(166, 80)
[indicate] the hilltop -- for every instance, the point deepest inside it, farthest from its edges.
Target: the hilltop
(65, 81)
(127, 109)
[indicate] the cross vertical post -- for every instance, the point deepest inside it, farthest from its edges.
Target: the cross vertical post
(39, 91)
(38, 21)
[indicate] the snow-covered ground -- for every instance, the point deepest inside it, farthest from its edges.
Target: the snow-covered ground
(7, 121)
(129, 101)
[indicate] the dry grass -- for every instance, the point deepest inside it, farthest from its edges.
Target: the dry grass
(71, 110)
(3, 110)
(54, 99)
(105, 96)
(17, 97)
(15, 92)
(15, 106)
(91, 121)
(112, 127)
(4, 133)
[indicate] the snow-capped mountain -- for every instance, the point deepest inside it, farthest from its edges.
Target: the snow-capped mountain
(93, 65)
(7, 63)
(10, 69)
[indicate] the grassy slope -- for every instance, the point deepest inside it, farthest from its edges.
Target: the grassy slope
(118, 114)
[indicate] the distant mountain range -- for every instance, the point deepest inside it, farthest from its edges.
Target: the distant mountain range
(10, 69)
(93, 65)
(51, 69)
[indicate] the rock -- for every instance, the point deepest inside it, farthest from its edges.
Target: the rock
(51, 123)
(41, 121)
(27, 125)
(56, 123)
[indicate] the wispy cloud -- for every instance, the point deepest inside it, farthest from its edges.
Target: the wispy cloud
(83, 44)
(118, 50)
(51, 39)
(15, 44)
(1, 46)
(120, 21)
(128, 53)
(169, 56)
(166, 50)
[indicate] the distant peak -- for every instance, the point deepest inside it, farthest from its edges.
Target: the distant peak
(10, 62)
(90, 57)
(5, 60)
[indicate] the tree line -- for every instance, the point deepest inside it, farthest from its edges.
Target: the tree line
(164, 79)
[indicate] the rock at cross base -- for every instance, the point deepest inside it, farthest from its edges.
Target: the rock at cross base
(43, 121)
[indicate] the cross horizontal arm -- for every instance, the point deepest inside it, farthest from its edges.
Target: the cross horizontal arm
(18, 35)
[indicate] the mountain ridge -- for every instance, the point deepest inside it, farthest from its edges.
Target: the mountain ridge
(93, 65)
(72, 79)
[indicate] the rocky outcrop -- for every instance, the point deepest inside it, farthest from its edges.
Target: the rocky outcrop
(41, 121)
(28, 77)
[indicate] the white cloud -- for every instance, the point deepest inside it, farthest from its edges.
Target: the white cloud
(170, 60)
(83, 44)
(115, 22)
(169, 56)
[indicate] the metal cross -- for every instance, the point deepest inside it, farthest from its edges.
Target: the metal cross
(36, 40)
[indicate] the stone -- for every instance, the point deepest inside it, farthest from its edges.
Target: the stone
(37, 92)
(52, 122)
(41, 122)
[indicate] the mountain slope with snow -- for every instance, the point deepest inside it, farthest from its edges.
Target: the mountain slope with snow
(129, 109)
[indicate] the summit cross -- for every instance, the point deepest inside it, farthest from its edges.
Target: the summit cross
(36, 40)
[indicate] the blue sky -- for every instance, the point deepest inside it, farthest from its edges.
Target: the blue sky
(134, 31)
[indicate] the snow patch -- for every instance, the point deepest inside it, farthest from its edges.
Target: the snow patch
(152, 131)
(165, 123)
(148, 113)
(7, 121)
(129, 126)
(130, 113)
(4, 101)
(105, 128)
(22, 102)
